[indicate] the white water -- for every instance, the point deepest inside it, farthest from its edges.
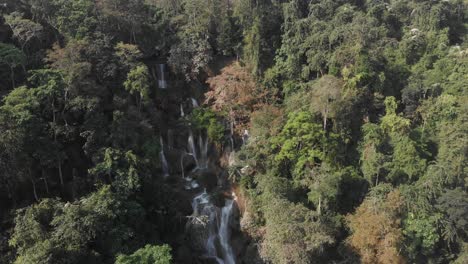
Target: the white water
(231, 136)
(182, 114)
(217, 245)
(194, 103)
(224, 234)
(200, 160)
(203, 145)
(165, 166)
(192, 148)
(162, 78)
(218, 227)
(245, 136)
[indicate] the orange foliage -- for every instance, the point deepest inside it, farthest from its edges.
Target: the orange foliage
(377, 230)
(236, 93)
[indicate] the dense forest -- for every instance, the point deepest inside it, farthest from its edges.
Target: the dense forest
(233, 131)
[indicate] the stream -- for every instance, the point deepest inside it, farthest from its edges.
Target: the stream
(211, 221)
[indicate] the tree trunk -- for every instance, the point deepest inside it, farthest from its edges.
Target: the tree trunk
(319, 208)
(11, 195)
(46, 184)
(325, 117)
(73, 194)
(33, 185)
(59, 161)
(12, 76)
(34, 189)
(325, 121)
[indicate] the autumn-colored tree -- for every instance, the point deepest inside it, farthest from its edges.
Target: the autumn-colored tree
(376, 229)
(235, 93)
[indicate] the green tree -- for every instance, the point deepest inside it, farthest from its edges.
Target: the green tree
(11, 57)
(147, 255)
(75, 19)
(138, 84)
(205, 119)
(26, 32)
(120, 168)
(128, 54)
(302, 145)
(31, 235)
(50, 90)
(388, 149)
(453, 205)
(293, 236)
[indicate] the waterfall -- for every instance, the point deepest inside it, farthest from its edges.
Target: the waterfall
(224, 234)
(200, 160)
(162, 78)
(200, 200)
(192, 148)
(203, 145)
(165, 166)
(245, 136)
(182, 168)
(212, 235)
(194, 103)
(231, 136)
(182, 114)
(217, 226)
(232, 158)
(170, 138)
(212, 222)
(205, 152)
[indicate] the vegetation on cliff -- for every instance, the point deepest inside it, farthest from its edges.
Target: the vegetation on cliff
(353, 115)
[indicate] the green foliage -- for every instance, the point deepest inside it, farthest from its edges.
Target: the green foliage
(120, 168)
(26, 32)
(147, 255)
(138, 84)
(293, 236)
(453, 205)
(128, 54)
(205, 119)
(31, 237)
(12, 58)
(388, 150)
(76, 18)
(344, 95)
(422, 232)
(52, 231)
(262, 29)
(302, 145)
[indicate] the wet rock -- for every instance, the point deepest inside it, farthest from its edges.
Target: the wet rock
(251, 255)
(207, 178)
(197, 232)
(184, 254)
(5, 31)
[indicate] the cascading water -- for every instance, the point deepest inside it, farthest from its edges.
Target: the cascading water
(162, 83)
(192, 149)
(217, 244)
(201, 160)
(203, 145)
(194, 103)
(225, 234)
(217, 220)
(211, 224)
(231, 136)
(245, 136)
(164, 164)
(182, 114)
